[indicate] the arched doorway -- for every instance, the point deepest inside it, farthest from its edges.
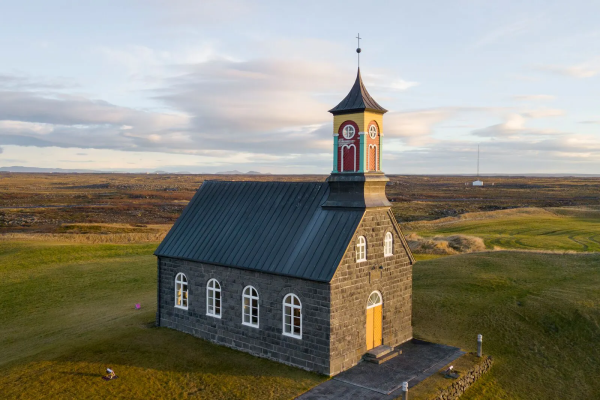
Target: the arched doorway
(374, 320)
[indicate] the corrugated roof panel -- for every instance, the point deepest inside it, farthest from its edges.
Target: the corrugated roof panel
(274, 227)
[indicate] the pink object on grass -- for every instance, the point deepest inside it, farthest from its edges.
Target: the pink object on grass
(137, 306)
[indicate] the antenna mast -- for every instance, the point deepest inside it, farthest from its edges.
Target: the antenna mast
(477, 162)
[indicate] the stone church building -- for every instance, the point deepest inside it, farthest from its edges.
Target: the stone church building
(312, 275)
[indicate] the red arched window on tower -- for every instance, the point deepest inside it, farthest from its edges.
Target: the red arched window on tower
(372, 140)
(348, 146)
(372, 158)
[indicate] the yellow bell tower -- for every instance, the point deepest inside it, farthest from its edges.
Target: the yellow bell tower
(356, 179)
(357, 131)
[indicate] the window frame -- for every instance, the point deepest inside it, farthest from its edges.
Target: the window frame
(292, 308)
(348, 126)
(360, 244)
(374, 304)
(214, 290)
(388, 245)
(179, 281)
(250, 297)
(373, 131)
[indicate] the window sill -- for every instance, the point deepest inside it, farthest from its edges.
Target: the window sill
(181, 307)
(292, 336)
(250, 325)
(214, 316)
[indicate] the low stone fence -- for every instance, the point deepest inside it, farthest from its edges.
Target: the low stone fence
(464, 381)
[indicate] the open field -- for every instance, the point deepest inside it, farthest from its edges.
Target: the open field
(539, 315)
(44, 202)
(70, 313)
(76, 255)
(553, 229)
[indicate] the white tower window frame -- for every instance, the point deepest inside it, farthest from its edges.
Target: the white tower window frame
(348, 132)
(373, 131)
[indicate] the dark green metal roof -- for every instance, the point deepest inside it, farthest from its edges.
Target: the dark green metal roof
(272, 227)
(357, 100)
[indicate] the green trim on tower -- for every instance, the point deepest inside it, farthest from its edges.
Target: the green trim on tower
(361, 152)
(380, 150)
(335, 154)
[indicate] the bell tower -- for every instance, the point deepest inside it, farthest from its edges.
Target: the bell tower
(356, 179)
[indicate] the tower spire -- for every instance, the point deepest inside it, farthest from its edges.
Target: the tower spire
(358, 49)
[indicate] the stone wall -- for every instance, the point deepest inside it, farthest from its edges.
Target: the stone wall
(455, 390)
(354, 282)
(311, 352)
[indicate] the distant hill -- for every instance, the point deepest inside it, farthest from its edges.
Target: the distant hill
(236, 172)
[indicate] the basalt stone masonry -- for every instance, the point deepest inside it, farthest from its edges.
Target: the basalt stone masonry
(354, 282)
(311, 352)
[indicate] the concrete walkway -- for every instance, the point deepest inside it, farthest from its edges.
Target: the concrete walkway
(418, 361)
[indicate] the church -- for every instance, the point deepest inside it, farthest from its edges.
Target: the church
(310, 274)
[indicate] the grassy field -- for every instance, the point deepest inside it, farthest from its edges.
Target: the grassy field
(539, 315)
(68, 312)
(555, 229)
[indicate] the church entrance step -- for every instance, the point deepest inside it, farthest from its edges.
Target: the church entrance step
(380, 354)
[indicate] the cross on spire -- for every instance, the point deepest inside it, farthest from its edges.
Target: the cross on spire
(358, 49)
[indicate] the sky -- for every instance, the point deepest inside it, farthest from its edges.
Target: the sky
(209, 86)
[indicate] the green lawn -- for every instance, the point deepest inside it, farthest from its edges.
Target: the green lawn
(524, 229)
(67, 312)
(539, 315)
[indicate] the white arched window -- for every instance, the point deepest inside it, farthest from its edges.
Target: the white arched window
(348, 132)
(213, 298)
(388, 245)
(181, 291)
(250, 307)
(292, 316)
(361, 249)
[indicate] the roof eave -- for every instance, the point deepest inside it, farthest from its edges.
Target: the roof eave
(355, 110)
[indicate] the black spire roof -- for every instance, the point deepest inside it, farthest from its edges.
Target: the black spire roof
(357, 100)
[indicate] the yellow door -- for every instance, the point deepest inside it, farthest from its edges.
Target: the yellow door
(377, 325)
(369, 328)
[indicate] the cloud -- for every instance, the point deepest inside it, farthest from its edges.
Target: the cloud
(416, 127)
(1, 150)
(535, 97)
(512, 29)
(590, 122)
(177, 12)
(584, 70)
(22, 82)
(514, 124)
